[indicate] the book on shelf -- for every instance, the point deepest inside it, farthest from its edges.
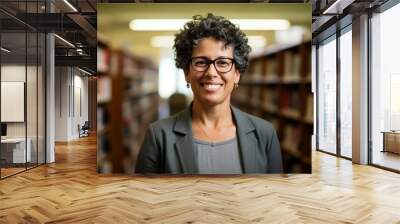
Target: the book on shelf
(114, 64)
(103, 89)
(291, 104)
(291, 138)
(130, 67)
(103, 58)
(257, 70)
(270, 100)
(271, 74)
(292, 65)
(102, 119)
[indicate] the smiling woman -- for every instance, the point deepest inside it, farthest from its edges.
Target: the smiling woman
(211, 136)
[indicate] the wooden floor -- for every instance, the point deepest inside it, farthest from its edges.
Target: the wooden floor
(70, 191)
(10, 171)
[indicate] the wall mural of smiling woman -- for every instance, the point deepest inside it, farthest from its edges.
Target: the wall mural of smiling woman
(211, 136)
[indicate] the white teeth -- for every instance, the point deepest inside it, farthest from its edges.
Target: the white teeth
(211, 86)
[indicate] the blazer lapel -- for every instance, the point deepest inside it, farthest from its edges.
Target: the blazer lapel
(247, 141)
(184, 144)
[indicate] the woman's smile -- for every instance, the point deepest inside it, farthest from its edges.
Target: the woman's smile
(211, 86)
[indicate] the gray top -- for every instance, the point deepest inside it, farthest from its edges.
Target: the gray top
(218, 157)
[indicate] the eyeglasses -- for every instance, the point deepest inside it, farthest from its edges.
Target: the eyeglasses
(201, 64)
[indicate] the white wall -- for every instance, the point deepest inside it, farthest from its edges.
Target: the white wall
(13, 73)
(61, 103)
(71, 87)
(33, 126)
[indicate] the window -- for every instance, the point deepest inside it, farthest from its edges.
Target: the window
(327, 95)
(346, 92)
(385, 89)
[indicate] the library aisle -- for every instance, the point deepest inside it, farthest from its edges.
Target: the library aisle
(71, 191)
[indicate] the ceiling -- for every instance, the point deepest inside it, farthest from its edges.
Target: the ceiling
(113, 20)
(73, 20)
(329, 16)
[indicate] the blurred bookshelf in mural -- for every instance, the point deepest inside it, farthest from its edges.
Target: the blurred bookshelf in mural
(277, 87)
(127, 101)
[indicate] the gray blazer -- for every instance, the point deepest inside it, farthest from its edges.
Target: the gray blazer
(168, 145)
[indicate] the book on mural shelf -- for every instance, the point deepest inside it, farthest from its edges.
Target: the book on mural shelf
(103, 58)
(114, 64)
(271, 70)
(102, 118)
(130, 67)
(257, 70)
(103, 89)
(291, 137)
(292, 62)
(270, 102)
(291, 103)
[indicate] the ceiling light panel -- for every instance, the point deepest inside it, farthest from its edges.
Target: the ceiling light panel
(177, 24)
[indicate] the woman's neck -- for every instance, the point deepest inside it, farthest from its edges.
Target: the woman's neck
(215, 116)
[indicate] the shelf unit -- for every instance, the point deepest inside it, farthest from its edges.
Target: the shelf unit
(127, 102)
(277, 87)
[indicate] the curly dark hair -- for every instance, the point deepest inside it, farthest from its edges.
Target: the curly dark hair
(211, 26)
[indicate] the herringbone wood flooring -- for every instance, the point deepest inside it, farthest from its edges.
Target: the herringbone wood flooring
(70, 191)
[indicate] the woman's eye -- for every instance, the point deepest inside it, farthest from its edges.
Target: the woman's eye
(200, 63)
(222, 63)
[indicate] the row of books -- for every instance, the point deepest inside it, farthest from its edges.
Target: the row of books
(292, 66)
(278, 89)
(122, 118)
(267, 69)
(104, 97)
(290, 103)
(139, 106)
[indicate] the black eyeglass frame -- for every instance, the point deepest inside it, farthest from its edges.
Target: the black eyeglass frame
(209, 62)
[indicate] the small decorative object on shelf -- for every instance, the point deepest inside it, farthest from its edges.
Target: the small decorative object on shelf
(277, 87)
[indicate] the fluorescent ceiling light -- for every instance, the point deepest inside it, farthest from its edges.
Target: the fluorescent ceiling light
(70, 5)
(257, 41)
(295, 34)
(176, 24)
(84, 71)
(157, 24)
(162, 41)
(262, 24)
(5, 50)
(65, 41)
(168, 41)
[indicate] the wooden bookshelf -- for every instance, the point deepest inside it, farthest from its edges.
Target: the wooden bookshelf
(277, 87)
(127, 102)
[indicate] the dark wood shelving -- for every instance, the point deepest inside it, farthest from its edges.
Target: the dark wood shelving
(127, 110)
(277, 87)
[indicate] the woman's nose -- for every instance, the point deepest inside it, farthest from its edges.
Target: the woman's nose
(212, 70)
